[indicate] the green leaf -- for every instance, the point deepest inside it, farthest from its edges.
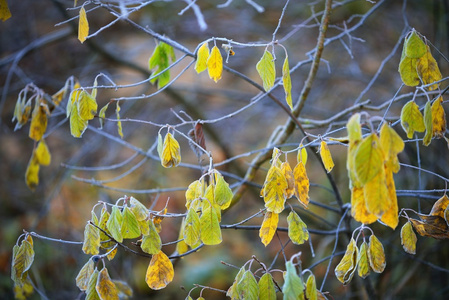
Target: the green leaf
(412, 119)
(130, 227)
(119, 123)
(210, 227)
(160, 60)
(247, 287)
(102, 115)
(222, 192)
(297, 229)
(428, 123)
(408, 71)
(82, 279)
(91, 292)
(114, 224)
(287, 83)
(151, 243)
(233, 291)
(414, 46)
(192, 228)
(266, 287)
(138, 209)
(293, 286)
(91, 244)
(265, 68)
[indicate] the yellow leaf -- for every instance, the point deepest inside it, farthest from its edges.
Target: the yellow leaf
(42, 153)
(362, 261)
(194, 191)
(311, 292)
(32, 172)
(171, 153)
(391, 144)
(83, 26)
(438, 118)
(428, 70)
(87, 106)
(355, 136)
(287, 83)
(112, 253)
(268, 228)
(82, 279)
(215, 64)
(192, 228)
(288, 174)
(138, 209)
(302, 154)
(210, 231)
(428, 123)
(77, 124)
(354, 129)
(368, 159)
(274, 190)
(24, 291)
(222, 192)
(297, 229)
(408, 72)
(181, 246)
(440, 206)
(201, 58)
(160, 271)
(91, 243)
(106, 289)
(301, 184)
(119, 123)
(102, 115)
(5, 13)
(376, 255)
(414, 46)
(265, 68)
(124, 290)
(345, 269)
(408, 238)
(376, 194)
(390, 217)
(358, 207)
(38, 122)
(326, 157)
(412, 119)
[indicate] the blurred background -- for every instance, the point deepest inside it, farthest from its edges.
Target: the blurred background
(34, 50)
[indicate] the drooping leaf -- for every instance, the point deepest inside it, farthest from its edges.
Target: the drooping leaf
(160, 59)
(391, 144)
(302, 154)
(91, 292)
(412, 119)
(114, 224)
(408, 238)
(83, 25)
(119, 122)
(266, 287)
(326, 157)
(124, 290)
(181, 246)
(192, 228)
(431, 226)
(215, 64)
(428, 70)
(5, 13)
(247, 287)
(38, 122)
(268, 228)
(130, 227)
(293, 286)
(22, 261)
(194, 191)
(267, 71)
(297, 229)
(391, 217)
(363, 261)
(428, 123)
(376, 255)
(222, 192)
(345, 269)
(106, 289)
(42, 153)
(201, 58)
(138, 209)
(102, 115)
(355, 137)
(358, 207)
(82, 279)
(414, 46)
(440, 206)
(160, 271)
(87, 106)
(104, 218)
(438, 118)
(274, 190)
(24, 291)
(288, 174)
(301, 184)
(77, 124)
(287, 83)
(232, 292)
(111, 253)
(32, 172)
(369, 158)
(171, 153)
(91, 244)
(210, 231)
(151, 243)
(311, 292)
(408, 72)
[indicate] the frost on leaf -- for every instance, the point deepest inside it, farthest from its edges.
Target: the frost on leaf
(201, 58)
(376, 254)
(346, 268)
(91, 244)
(267, 72)
(301, 184)
(160, 271)
(326, 157)
(297, 229)
(408, 238)
(82, 279)
(215, 64)
(83, 25)
(293, 286)
(170, 152)
(274, 190)
(105, 288)
(363, 261)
